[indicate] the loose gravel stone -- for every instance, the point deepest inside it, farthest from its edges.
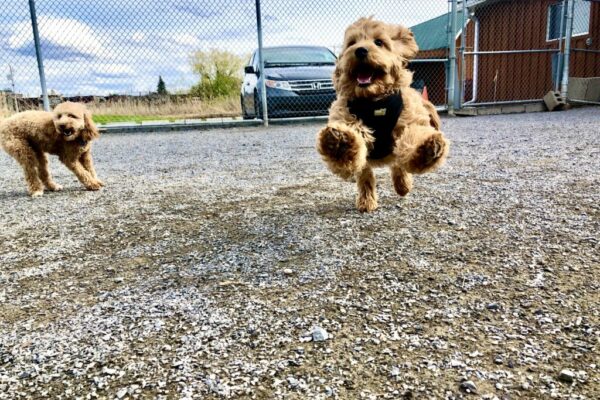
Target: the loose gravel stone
(567, 376)
(468, 387)
(319, 334)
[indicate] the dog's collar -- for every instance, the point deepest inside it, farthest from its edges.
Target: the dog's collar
(381, 116)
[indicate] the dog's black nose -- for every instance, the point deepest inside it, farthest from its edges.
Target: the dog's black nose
(361, 52)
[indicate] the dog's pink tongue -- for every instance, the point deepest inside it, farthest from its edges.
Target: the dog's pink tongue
(364, 78)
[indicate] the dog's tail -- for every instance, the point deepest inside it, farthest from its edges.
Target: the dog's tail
(434, 118)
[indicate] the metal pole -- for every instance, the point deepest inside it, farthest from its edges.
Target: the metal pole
(564, 88)
(463, 45)
(452, 57)
(561, 32)
(512, 51)
(38, 53)
(261, 65)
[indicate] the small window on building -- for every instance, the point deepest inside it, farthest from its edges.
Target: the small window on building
(581, 19)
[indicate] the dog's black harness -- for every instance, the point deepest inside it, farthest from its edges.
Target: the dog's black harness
(381, 116)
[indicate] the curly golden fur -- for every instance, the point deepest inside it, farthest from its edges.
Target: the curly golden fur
(372, 65)
(67, 132)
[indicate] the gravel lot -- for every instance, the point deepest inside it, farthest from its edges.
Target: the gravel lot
(232, 264)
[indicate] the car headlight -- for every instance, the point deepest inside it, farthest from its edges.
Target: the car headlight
(284, 85)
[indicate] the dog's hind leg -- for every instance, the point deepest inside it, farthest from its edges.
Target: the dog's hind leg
(343, 149)
(402, 180)
(366, 200)
(44, 172)
(21, 151)
(88, 164)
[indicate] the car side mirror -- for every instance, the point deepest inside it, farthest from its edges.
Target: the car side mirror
(249, 69)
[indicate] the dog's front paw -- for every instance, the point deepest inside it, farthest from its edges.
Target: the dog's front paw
(344, 150)
(101, 183)
(95, 185)
(337, 144)
(429, 154)
(36, 193)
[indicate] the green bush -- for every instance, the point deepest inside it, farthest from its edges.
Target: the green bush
(220, 74)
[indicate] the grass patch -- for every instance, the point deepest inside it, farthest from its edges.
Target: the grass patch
(138, 109)
(163, 109)
(110, 118)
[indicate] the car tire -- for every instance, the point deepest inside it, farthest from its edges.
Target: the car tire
(244, 113)
(257, 106)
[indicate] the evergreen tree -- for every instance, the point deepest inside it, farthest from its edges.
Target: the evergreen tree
(161, 89)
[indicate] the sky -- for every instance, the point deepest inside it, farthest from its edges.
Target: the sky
(122, 46)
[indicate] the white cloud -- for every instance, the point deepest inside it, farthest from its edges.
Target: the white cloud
(113, 69)
(186, 39)
(62, 32)
(138, 37)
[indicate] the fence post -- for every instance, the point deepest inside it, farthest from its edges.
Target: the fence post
(452, 59)
(261, 65)
(463, 45)
(564, 87)
(559, 58)
(38, 54)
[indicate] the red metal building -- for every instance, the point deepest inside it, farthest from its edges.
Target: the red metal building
(512, 48)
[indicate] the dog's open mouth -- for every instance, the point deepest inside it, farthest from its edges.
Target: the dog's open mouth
(68, 131)
(365, 75)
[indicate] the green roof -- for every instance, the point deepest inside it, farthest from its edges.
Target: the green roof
(433, 34)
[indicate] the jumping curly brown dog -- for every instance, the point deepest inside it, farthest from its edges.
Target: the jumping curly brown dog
(377, 119)
(67, 132)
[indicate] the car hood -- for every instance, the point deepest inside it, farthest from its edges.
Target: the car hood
(300, 73)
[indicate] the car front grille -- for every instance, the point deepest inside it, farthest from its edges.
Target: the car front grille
(312, 86)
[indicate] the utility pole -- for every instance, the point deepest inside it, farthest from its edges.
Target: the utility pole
(11, 78)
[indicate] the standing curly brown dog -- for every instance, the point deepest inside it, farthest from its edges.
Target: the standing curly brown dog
(67, 132)
(377, 118)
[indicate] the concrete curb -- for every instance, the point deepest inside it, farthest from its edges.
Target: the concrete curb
(537, 106)
(200, 126)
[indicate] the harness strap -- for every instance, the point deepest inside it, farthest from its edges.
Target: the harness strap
(381, 117)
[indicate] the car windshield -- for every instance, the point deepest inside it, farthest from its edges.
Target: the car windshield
(282, 57)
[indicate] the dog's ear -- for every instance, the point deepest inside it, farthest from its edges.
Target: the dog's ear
(337, 73)
(90, 131)
(404, 41)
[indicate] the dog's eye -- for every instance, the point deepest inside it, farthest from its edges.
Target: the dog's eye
(351, 43)
(378, 42)
(72, 116)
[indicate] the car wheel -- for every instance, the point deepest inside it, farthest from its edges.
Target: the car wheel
(257, 106)
(244, 113)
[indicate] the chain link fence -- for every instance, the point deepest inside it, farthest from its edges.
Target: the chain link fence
(517, 51)
(195, 60)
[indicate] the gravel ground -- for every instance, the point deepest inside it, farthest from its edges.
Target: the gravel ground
(232, 264)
